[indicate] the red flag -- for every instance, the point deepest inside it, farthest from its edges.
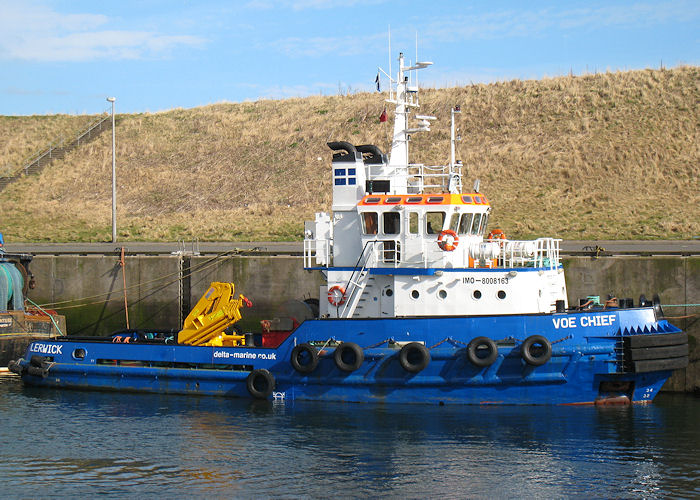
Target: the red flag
(382, 117)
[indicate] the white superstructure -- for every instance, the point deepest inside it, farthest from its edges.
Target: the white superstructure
(403, 240)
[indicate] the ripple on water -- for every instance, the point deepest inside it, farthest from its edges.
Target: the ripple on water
(57, 443)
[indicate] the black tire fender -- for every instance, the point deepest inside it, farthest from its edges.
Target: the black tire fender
(414, 357)
(260, 383)
(38, 372)
(541, 344)
(16, 367)
(348, 356)
(37, 360)
(304, 358)
(479, 344)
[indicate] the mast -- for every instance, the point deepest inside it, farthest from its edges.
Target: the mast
(398, 155)
(405, 98)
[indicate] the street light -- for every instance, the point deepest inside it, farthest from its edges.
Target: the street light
(114, 178)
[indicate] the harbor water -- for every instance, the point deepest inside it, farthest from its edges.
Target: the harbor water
(65, 444)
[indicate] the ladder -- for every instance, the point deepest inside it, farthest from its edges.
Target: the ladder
(359, 278)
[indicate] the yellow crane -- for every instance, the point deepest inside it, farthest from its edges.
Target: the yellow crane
(216, 310)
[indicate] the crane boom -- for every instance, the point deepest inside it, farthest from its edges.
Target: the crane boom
(215, 311)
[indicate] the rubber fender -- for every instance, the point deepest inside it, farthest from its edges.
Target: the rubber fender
(657, 365)
(645, 353)
(37, 361)
(304, 358)
(536, 350)
(15, 367)
(260, 383)
(414, 357)
(348, 356)
(656, 340)
(477, 346)
(38, 372)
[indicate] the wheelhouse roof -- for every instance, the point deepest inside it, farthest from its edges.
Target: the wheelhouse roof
(433, 199)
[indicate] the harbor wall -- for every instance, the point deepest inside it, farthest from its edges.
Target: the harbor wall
(89, 289)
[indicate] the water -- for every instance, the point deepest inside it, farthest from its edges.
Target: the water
(64, 444)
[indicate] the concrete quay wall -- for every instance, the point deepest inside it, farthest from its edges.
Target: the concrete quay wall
(89, 291)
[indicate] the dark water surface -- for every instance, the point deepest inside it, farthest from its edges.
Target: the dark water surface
(68, 444)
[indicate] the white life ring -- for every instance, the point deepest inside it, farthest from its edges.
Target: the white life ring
(336, 295)
(448, 240)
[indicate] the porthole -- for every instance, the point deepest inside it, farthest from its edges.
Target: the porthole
(476, 294)
(442, 294)
(415, 294)
(501, 294)
(389, 292)
(79, 353)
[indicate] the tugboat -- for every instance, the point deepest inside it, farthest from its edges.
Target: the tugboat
(422, 303)
(20, 324)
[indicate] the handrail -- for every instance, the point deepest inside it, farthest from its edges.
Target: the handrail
(502, 254)
(351, 286)
(57, 143)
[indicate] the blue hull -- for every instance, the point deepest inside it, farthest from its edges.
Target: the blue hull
(590, 362)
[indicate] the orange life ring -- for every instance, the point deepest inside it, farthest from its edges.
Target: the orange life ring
(336, 295)
(448, 240)
(496, 234)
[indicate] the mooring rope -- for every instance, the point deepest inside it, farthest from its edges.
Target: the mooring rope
(198, 268)
(377, 344)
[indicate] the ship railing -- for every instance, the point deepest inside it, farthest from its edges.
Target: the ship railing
(382, 171)
(435, 177)
(493, 254)
(419, 177)
(539, 253)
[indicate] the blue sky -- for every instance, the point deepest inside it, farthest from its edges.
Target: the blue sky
(67, 56)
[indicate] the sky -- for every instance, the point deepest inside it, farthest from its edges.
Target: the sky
(60, 56)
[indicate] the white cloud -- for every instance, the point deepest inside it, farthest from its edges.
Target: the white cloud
(495, 24)
(34, 32)
(518, 23)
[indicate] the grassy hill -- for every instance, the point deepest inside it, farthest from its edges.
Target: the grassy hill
(606, 156)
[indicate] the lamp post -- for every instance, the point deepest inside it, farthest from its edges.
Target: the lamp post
(114, 178)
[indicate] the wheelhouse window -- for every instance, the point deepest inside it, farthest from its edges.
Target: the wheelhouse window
(476, 223)
(434, 222)
(484, 223)
(454, 221)
(391, 222)
(465, 223)
(370, 222)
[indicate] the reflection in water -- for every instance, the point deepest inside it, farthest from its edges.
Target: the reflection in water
(63, 442)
